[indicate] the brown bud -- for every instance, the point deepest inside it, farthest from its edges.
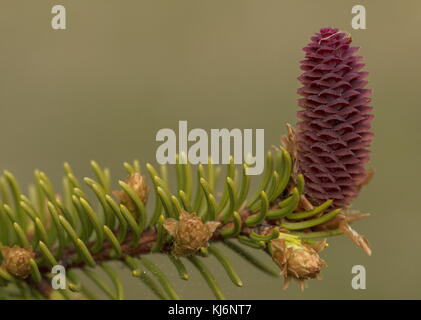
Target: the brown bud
(138, 183)
(190, 233)
(16, 260)
(290, 144)
(297, 260)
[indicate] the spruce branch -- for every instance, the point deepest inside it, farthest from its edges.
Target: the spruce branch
(70, 232)
(304, 194)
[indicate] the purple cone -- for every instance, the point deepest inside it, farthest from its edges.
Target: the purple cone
(333, 131)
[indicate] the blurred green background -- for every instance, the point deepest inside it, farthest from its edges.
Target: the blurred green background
(125, 69)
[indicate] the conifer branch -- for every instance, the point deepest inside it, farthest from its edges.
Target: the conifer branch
(304, 194)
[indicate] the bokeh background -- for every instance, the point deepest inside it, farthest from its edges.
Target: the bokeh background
(125, 69)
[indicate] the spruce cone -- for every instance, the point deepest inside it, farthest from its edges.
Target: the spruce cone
(333, 133)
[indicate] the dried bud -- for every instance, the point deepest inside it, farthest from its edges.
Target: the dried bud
(138, 183)
(297, 260)
(190, 233)
(333, 132)
(16, 260)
